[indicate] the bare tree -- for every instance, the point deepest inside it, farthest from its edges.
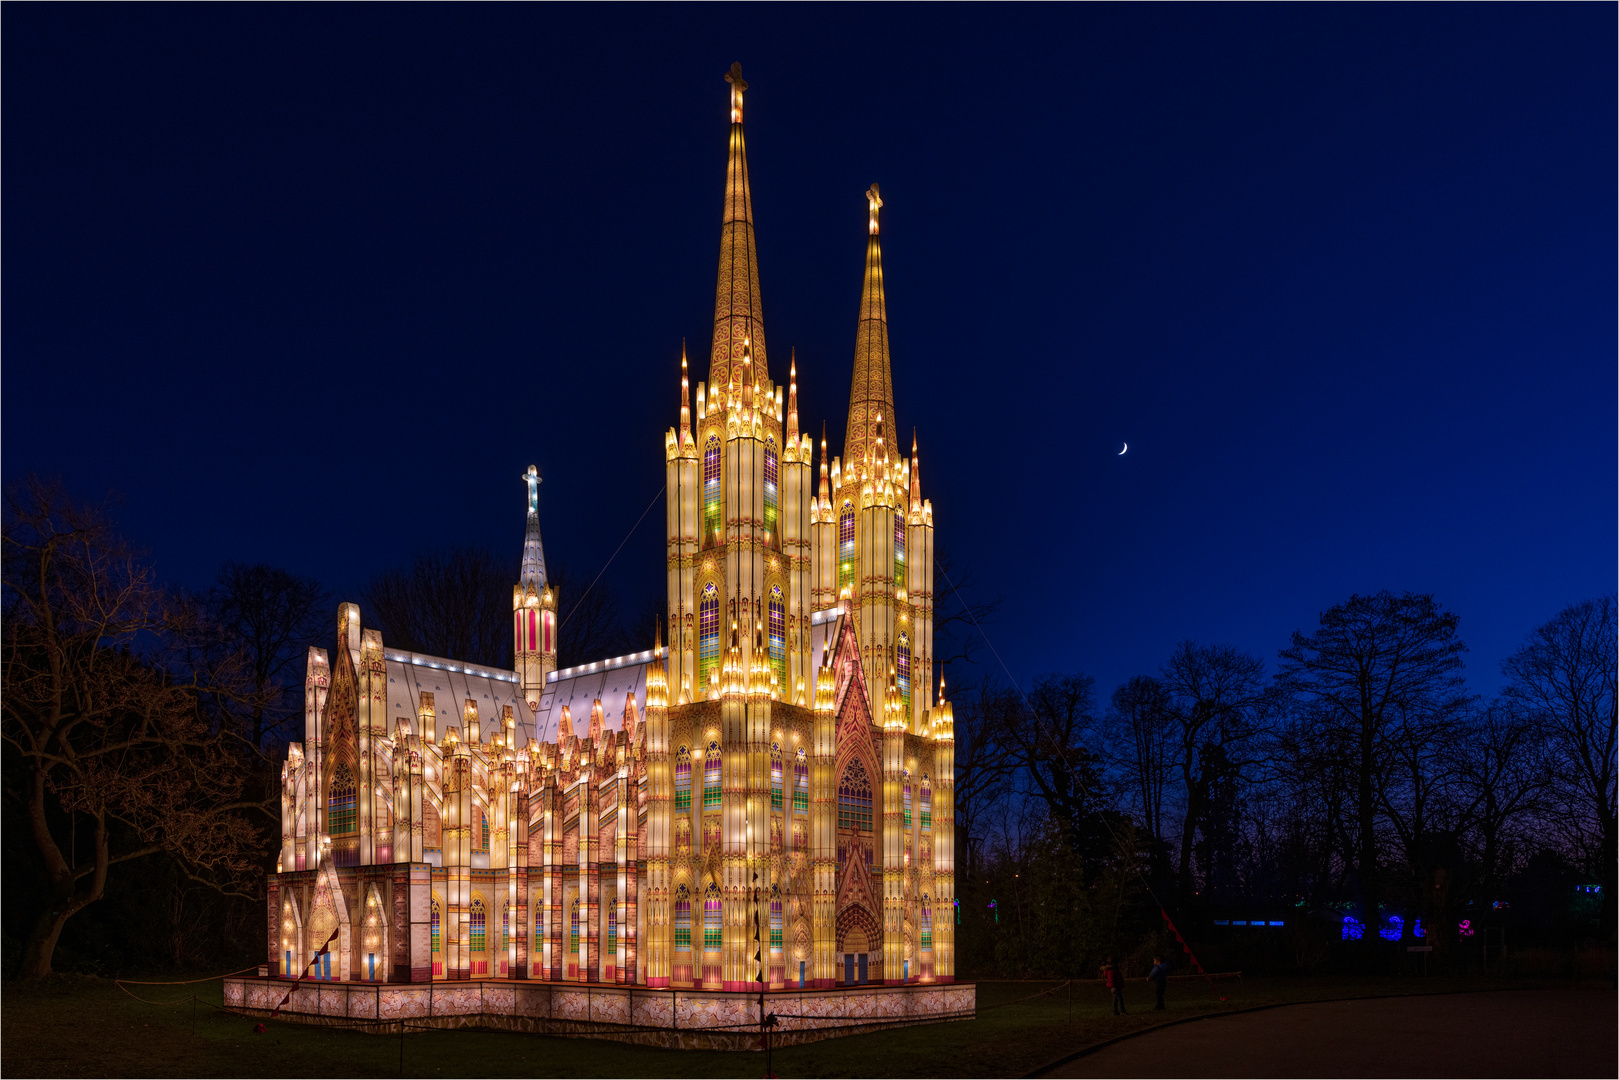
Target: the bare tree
(1374, 660)
(1501, 778)
(1218, 705)
(103, 722)
(1564, 678)
(274, 615)
(957, 617)
(590, 628)
(454, 602)
(1142, 748)
(984, 761)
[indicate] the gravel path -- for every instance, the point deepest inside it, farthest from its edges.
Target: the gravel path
(1512, 1033)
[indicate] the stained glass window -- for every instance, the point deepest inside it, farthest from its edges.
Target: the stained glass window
(927, 924)
(801, 784)
(711, 491)
(927, 805)
(708, 637)
(899, 550)
(711, 776)
(612, 931)
(342, 814)
(480, 925)
(711, 919)
(905, 798)
(771, 497)
(902, 673)
(775, 918)
(775, 777)
(683, 779)
(573, 928)
(846, 552)
(505, 928)
(854, 799)
(483, 831)
(778, 639)
(682, 919)
(437, 944)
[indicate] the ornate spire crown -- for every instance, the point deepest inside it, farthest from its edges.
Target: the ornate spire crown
(738, 315)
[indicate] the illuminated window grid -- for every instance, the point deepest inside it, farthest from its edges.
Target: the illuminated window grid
(708, 636)
(711, 778)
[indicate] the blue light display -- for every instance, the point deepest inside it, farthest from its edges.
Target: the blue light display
(1392, 932)
(1354, 929)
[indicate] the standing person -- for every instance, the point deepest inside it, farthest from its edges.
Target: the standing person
(1114, 978)
(1158, 976)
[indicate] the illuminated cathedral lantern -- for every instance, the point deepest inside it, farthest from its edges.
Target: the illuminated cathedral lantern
(761, 800)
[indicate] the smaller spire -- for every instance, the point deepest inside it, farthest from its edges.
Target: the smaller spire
(685, 397)
(826, 491)
(916, 476)
(533, 571)
(792, 399)
(738, 85)
(875, 199)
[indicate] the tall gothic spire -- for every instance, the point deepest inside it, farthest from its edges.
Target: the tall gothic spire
(533, 551)
(738, 316)
(871, 393)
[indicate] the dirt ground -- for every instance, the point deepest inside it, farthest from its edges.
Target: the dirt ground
(1513, 1033)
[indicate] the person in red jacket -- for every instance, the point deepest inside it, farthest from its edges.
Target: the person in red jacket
(1114, 978)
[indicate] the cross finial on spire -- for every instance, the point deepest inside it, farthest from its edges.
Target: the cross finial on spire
(738, 84)
(533, 479)
(875, 199)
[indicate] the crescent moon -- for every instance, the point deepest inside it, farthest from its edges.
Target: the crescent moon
(1121, 452)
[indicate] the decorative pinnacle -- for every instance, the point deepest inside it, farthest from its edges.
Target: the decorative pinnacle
(875, 199)
(738, 84)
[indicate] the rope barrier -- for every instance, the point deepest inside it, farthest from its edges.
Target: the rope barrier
(187, 982)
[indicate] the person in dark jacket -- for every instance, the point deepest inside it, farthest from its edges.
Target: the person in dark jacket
(1158, 976)
(1114, 978)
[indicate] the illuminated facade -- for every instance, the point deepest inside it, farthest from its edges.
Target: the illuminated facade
(766, 799)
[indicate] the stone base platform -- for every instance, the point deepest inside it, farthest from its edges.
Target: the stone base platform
(681, 1018)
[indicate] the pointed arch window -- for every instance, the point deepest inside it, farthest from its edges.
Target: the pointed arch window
(342, 812)
(846, 552)
(437, 943)
(902, 673)
(772, 498)
(682, 919)
(683, 779)
(483, 831)
(854, 799)
(801, 783)
(573, 927)
(708, 637)
(711, 491)
(927, 804)
(927, 924)
(905, 797)
(778, 639)
(899, 550)
(480, 924)
(612, 931)
(712, 934)
(505, 928)
(775, 918)
(711, 777)
(775, 777)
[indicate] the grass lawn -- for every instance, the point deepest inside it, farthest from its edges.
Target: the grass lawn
(80, 1026)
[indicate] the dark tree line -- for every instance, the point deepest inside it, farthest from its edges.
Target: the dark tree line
(1359, 777)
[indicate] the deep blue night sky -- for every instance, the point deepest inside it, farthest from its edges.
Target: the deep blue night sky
(312, 285)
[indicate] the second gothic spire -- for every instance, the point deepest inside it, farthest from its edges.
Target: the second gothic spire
(871, 391)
